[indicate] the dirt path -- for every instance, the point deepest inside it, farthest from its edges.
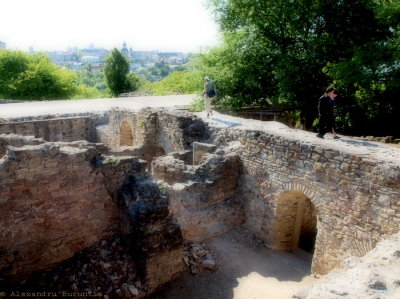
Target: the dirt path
(246, 270)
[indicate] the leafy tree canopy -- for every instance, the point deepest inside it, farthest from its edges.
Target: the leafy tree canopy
(290, 51)
(117, 75)
(182, 82)
(34, 77)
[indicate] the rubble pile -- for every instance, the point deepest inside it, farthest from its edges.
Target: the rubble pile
(105, 269)
(197, 257)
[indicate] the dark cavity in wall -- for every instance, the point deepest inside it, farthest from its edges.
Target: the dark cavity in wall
(296, 222)
(308, 230)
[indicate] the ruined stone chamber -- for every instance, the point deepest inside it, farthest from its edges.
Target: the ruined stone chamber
(175, 201)
(307, 196)
(203, 197)
(160, 178)
(61, 192)
(55, 200)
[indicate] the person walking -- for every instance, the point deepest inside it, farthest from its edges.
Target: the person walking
(209, 93)
(326, 115)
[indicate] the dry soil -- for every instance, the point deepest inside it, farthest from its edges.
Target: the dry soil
(246, 269)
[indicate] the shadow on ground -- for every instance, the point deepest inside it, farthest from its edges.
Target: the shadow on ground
(246, 269)
(359, 142)
(225, 122)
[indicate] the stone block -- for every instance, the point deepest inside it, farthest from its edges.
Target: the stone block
(200, 149)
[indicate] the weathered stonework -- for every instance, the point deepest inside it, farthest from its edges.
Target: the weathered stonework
(203, 198)
(16, 141)
(356, 199)
(150, 133)
(58, 198)
(201, 149)
(54, 202)
(148, 229)
(57, 129)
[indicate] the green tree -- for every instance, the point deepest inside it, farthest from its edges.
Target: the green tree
(34, 77)
(286, 51)
(369, 80)
(93, 79)
(134, 82)
(157, 72)
(184, 82)
(116, 71)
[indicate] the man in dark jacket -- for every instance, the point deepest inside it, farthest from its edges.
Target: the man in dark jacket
(325, 112)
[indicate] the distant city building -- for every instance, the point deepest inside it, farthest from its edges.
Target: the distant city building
(76, 59)
(92, 51)
(144, 55)
(2, 45)
(125, 51)
(90, 59)
(72, 49)
(60, 57)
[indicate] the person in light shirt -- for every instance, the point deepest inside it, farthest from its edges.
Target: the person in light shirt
(209, 93)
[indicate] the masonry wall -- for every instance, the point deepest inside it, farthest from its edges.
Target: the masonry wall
(357, 200)
(150, 133)
(7, 140)
(57, 129)
(54, 202)
(203, 199)
(154, 239)
(49, 190)
(177, 130)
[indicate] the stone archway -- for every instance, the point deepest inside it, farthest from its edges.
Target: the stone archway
(296, 222)
(125, 134)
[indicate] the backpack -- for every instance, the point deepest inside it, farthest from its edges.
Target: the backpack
(211, 93)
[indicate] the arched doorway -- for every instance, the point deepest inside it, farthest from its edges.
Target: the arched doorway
(296, 222)
(125, 134)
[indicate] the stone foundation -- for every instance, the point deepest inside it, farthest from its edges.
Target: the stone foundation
(57, 198)
(54, 202)
(57, 129)
(203, 198)
(356, 199)
(148, 229)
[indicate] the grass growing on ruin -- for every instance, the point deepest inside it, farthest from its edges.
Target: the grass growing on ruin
(111, 160)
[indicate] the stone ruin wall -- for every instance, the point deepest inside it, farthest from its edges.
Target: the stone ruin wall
(53, 202)
(149, 133)
(356, 199)
(148, 230)
(205, 206)
(7, 140)
(59, 198)
(203, 198)
(55, 129)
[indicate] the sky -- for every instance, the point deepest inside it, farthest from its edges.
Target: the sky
(163, 25)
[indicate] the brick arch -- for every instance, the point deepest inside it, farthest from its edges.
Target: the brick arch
(126, 137)
(303, 188)
(295, 221)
